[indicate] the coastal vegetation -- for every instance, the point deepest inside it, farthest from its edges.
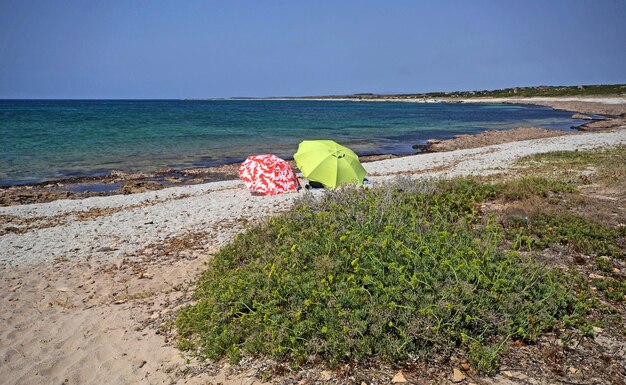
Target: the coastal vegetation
(513, 92)
(415, 268)
(539, 91)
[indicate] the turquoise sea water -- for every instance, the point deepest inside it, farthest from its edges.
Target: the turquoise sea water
(52, 139)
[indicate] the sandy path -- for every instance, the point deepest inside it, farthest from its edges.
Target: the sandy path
(608, 105)
(541, 99)
(88, 284)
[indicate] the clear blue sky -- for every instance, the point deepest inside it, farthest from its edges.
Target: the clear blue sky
(202, 49)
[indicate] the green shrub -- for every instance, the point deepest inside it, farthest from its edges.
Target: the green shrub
(582, 234)
(518, 189)
(374, 274)
(614, 290)
(483, 358)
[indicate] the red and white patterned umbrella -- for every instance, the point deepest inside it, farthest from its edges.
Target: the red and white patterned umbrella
(268, 174)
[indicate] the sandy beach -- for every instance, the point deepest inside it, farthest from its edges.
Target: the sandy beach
(90, 286)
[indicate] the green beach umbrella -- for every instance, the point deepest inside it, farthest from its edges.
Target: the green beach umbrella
(329, 163)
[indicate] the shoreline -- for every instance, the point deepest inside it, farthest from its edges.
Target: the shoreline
(230, 196)
(92, 285)
(117, 182)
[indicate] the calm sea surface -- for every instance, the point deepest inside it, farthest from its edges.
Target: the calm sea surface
(46, 140)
